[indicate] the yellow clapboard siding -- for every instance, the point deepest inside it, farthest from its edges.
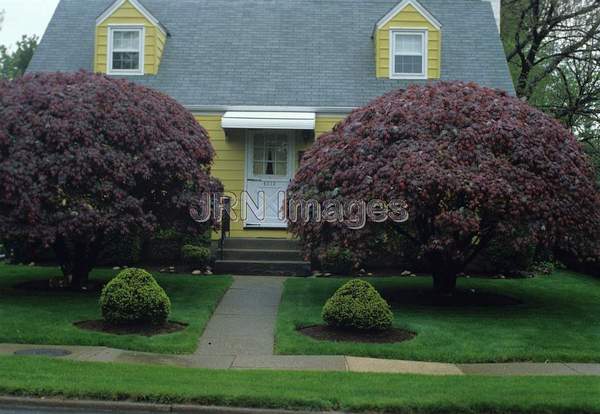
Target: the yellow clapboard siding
(408, 18)
(326, 123)
(229, 175)
(225, 148)
(231, 152)
(126, 13)
(226, 164)
(161, 39)
(214, 124)
(154, 41)
(221, 156)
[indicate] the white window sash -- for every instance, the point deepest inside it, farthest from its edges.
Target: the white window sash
(424, 52)
(111, 49)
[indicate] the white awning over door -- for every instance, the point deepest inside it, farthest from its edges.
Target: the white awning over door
(268, 120)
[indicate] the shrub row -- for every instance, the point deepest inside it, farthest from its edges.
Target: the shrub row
(164, 248)
(500, 257)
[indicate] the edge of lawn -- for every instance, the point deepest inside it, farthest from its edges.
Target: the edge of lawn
(295, 312)
(358, 392)
(181, 342)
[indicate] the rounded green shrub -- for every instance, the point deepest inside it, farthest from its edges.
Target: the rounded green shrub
(196, 255)
(358, 305)
(134, 297)
(337, 260)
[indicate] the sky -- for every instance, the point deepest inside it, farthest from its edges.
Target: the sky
(24, 17)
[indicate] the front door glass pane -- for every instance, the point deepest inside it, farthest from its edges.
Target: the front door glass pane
(270, 155)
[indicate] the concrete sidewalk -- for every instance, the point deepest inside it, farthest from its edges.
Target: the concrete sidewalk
(313, 363)
(241, 332)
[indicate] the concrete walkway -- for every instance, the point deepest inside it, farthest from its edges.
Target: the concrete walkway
(312, 363)
(240, 335)
(244, 322)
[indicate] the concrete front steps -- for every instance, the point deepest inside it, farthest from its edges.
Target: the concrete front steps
(267, 257)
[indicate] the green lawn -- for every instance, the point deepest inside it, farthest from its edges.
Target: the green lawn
(308, 390)
(558, 321)
(47, 318)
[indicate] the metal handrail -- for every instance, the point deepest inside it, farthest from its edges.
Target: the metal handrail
(225, 224)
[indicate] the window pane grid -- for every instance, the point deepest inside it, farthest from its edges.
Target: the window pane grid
(126, 49)
(126, 41)
(270, 155)
(408, 64)
(408, 51)
(126, 60)
(407, 44)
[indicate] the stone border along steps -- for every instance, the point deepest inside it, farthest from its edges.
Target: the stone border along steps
(240, 335)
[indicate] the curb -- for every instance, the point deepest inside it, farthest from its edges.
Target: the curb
(80, 406)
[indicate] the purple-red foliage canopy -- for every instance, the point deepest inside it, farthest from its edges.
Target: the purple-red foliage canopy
(83, 155)
(471, 162)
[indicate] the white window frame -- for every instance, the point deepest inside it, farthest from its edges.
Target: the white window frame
(424, 51)
(125, 28)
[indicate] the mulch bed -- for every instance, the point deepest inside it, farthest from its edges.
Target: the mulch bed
(143, 330)
(460, 298)
(45, 286)
(326, 333)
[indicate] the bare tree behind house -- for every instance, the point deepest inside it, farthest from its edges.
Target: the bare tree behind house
(540, 35)
(553, 50)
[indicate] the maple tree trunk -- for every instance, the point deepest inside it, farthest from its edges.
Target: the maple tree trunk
(80, 274)
(444, 272)
(444, 282)
(77, 262)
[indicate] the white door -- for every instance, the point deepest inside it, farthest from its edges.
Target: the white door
(269, 162)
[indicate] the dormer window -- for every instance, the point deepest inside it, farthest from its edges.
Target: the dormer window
(409, 54)
(126, 50)
(408, 43)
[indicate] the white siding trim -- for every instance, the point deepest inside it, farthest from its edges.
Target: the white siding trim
(269, 120)
(497, 9)
(212, 109)
(139, 7)
(401, 6)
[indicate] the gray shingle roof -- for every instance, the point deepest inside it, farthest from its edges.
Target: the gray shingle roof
(316, 53)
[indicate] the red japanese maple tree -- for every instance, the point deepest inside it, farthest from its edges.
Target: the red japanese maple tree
(84, 157)
(472, 163)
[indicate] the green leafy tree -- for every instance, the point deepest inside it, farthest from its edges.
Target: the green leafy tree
(14, 64)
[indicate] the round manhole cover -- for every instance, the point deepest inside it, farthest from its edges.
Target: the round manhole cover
(43, 352)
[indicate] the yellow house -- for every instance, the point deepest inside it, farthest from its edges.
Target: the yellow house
(267, 78)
